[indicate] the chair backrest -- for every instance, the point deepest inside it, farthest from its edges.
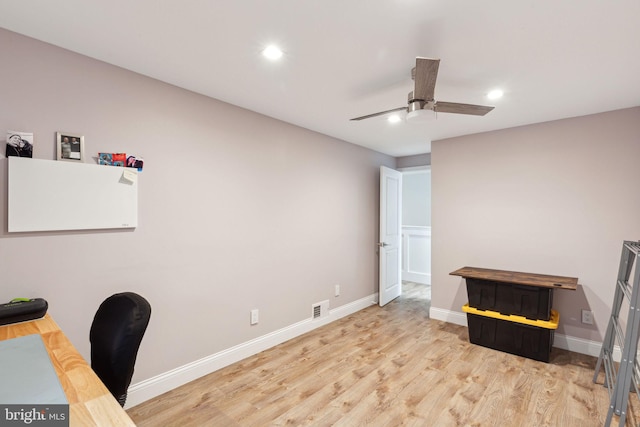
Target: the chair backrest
(116, 334)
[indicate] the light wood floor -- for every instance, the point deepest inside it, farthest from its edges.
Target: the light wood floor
(390, 366)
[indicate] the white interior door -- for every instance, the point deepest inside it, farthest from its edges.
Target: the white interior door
(390, 284)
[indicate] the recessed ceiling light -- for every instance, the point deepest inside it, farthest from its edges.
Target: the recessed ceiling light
(394, 118)
(495, 94)
(272, 52)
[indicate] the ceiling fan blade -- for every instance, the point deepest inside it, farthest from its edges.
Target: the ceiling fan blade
(381, 113)
(454, 107)
(425, 75)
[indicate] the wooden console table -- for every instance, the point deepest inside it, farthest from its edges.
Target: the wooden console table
(90, 403)
(511, 311)
(518, 278)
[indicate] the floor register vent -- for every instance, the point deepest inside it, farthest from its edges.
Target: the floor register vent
(320, 309)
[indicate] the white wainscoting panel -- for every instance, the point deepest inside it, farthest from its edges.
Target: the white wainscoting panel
(416, 254)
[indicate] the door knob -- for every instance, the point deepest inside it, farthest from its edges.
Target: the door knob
(382, 244)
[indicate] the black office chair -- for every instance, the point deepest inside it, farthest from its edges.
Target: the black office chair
(116, 334)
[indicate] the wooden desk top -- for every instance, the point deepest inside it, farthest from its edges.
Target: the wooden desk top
(515, 277)
(90, 403)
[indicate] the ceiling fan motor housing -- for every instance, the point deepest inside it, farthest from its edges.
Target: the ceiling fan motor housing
(419, 104)
(415, 104)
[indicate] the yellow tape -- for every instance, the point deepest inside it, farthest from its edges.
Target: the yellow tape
(552, 323)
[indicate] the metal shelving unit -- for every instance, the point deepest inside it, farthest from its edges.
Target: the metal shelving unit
(623, 379)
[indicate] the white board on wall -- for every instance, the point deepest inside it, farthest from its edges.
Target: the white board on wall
(46, 195)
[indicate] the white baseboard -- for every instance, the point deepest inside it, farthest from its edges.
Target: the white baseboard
(565, 342)
(580, 345)
(155, 386)
(448, 316)
(422, 278)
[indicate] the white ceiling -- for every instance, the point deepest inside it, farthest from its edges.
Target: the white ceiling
(343, 59)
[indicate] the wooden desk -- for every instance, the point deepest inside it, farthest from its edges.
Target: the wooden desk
(90, 403)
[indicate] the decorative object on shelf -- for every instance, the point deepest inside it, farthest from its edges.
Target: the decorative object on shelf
(19, 144)
(112, 159)
(135, 162)
(70, 147)
(120, 159)
(105, 159)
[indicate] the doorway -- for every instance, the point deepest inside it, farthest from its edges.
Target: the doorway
(416, 232)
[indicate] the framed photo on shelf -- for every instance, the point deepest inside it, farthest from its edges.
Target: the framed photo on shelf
(70, 147)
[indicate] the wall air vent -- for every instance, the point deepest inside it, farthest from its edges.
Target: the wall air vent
(320, 309)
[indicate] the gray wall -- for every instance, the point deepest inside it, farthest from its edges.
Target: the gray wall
(236, 210)
(554, 198)
(413, 161)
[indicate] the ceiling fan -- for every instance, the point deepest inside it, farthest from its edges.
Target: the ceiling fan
(421, 98)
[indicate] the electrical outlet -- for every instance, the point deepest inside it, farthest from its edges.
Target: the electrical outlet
(337, 290)
(587, 317)
(254, 316)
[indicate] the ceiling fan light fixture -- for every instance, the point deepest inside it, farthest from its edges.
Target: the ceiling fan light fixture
(419, 116)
